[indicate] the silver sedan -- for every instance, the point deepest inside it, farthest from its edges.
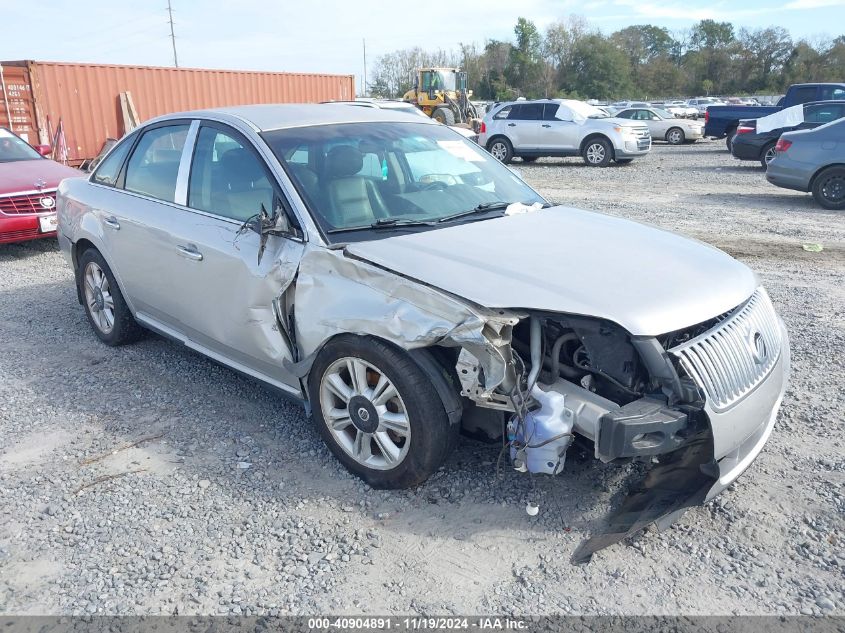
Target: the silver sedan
(404, 285)
(664, 126)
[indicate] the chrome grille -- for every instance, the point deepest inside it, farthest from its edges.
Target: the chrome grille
(27, 203)
(730, 359)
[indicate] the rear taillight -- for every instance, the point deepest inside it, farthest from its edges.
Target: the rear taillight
(706, 116)
(742, 129)
(782, 145)
(482, 129)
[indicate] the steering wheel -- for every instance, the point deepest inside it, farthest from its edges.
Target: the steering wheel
(434, 185)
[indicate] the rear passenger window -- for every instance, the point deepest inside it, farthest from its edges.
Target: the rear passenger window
(154, 165)
(228, 178)
(804, 94)
(527, 112)
(109, 169)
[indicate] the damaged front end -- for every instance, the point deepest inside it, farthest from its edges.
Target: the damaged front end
(699, 403)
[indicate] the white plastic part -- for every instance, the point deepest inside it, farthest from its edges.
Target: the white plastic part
(532, 509)
(546, 433)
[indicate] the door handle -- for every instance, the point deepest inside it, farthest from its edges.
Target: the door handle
(546, 125)
(511, 124)
(190, 252)
(112, 223)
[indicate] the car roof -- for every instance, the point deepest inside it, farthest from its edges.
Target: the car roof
(265, 117)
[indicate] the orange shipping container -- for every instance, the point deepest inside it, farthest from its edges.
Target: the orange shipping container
(86, 97)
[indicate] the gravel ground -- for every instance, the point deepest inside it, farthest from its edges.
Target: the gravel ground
(231, 504)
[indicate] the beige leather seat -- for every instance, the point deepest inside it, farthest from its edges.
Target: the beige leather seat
(353, 199)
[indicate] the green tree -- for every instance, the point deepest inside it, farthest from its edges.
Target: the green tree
(598, 69)
(525, 64)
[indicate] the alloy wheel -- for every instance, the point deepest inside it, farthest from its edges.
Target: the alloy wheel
(595, 153)
(365, 413)
(499, 151)
(675, 137)
(770, 154)
(98, 297)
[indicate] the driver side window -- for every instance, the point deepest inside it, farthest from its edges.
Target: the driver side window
(228, 178)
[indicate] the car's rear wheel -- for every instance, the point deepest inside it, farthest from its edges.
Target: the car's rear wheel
(675, 136)
(767, 155)
(105, 306)
(379, 413)
(597, 152)
(729, 139)
(501, 149)
(829, 188)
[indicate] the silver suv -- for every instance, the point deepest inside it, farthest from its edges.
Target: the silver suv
(561, 127)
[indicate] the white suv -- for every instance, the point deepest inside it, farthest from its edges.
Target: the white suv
(561, 127)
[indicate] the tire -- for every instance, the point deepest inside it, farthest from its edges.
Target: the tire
(444, 115)
(105, 307)
(767, 155)
(397, 453)
(729, 139)
(624, 161)
(501, 149)
(829, 188)
(597, 152)
(675, 136)
(529, 159)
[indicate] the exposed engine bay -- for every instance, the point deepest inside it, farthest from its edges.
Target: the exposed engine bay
(578, 375)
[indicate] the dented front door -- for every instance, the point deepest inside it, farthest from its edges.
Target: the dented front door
(227, 297)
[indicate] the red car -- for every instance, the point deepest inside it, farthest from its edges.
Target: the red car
(28, 183)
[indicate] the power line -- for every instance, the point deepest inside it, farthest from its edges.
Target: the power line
(172, 34)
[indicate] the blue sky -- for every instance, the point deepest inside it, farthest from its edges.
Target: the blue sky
(326, 35)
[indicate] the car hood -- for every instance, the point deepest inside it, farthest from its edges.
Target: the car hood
(24, 175)
(560, 259)
(614, 122)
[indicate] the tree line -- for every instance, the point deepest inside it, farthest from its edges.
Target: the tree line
(572, 59)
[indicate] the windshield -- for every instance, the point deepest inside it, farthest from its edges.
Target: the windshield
(13, 148)
(437, 80)
(357, 178)
(663, 114)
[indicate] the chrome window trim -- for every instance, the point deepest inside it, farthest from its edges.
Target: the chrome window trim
(181, 195)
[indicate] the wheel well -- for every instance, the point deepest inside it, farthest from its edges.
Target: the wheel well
(674, 127)
(820, 170)
(78, 248)
(438, 363)
(497, 137)
(76, 251)
(592, 137)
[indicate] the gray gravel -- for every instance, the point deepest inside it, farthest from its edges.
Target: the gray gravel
(231, 504)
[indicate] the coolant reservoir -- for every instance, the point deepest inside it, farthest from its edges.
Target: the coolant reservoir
(547, 433)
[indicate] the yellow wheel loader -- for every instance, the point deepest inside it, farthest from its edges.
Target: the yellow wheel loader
(442, 94)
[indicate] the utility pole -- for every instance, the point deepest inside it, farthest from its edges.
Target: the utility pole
(172, 35)
(364, 93)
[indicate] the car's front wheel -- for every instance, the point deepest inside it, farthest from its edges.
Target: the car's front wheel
(829, 188)
(675, 136)
(501, 149)
(379, 413)
(105, 306)
(597, 152)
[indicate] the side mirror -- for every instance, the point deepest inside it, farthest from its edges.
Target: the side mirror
(44, 150)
